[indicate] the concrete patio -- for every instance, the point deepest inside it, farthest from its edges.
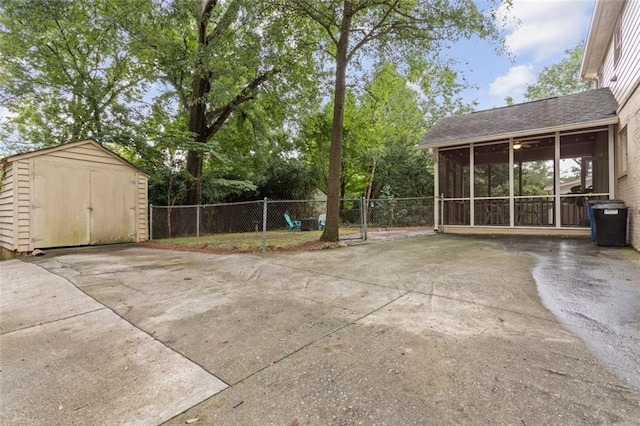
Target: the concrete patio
(431, 329)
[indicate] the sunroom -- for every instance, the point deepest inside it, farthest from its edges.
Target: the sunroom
(528, 169)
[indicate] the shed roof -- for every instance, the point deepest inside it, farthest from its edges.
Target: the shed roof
(44, 151)
(584, 109)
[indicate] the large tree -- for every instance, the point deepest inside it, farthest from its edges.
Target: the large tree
(215, 56)
(404, 31)
(560, 79)
(66, 71)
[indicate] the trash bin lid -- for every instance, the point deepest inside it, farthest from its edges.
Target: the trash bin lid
(610, 205)
(593, 202)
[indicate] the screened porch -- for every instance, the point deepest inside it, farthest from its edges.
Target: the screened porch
(537, 181)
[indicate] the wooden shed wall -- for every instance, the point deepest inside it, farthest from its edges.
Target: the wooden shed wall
(6, 208)
(142, 231)
(23, 173)
(87, 153)
(15, 207)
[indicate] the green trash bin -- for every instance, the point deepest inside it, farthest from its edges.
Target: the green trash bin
(611, 224)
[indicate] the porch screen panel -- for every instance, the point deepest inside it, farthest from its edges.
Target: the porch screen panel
(491, 184)
(455, 185)
(533, 171)
(584, 174)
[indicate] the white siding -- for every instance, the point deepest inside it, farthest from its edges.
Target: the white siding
(627, 71)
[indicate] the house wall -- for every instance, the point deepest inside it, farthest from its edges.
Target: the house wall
(628, 186)
(627, 71)
(623, 80)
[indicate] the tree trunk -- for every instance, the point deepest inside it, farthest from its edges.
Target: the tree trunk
(197, 126)
(331, 232)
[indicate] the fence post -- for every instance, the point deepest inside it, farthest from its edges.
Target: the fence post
(198, 223)
(150, 221)
(264, 225)
(363, 214)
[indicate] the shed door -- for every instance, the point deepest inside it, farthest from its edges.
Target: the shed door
(60, 205)
(112, 206)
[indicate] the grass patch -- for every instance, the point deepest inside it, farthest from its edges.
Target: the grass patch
(245, 241)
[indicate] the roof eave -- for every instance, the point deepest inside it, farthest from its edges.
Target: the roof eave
(603, 21)
(523, 133)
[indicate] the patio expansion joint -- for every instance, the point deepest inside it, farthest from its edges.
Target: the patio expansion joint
(335, 330)
(351, 279)
(308, 344)
(484, 305)
(160, 342)
(79, 314)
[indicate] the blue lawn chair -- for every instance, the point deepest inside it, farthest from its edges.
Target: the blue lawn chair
(292, 225)
(322, 221)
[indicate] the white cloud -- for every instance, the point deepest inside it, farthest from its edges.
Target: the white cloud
(542, 28)
(514, 82)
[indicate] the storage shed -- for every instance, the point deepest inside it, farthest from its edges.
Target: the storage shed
(75, 194)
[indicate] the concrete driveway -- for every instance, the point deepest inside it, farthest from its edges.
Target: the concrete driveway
(424, 330)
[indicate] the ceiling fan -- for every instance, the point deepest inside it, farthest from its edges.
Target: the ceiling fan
(528, 144)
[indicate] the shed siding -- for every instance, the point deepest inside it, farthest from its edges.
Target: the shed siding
(70, 171)
(22, 206)
(141, 209)
(6, 209)
(86, 153)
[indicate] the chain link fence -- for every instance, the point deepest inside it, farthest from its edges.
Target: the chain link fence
(264, 224)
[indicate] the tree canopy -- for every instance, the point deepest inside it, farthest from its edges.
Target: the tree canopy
(66, 71)
(560, 79)
(237, 99)
(409, 32)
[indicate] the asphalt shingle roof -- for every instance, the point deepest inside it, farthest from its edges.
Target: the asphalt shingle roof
(583, 107)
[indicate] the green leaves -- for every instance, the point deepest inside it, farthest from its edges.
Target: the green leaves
(65, 70)
(560, 79)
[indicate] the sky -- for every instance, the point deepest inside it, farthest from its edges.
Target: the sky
(537, 33)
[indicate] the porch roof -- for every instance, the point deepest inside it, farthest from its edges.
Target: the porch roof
(580, 110)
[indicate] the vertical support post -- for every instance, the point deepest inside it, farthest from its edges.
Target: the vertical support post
(512, 201)
(436, 189)
(611, 141)
(363, 213)
(150, 222)
(472, 178)
(556, 182)
(264, 225)
(198, 223)
(442, 213)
